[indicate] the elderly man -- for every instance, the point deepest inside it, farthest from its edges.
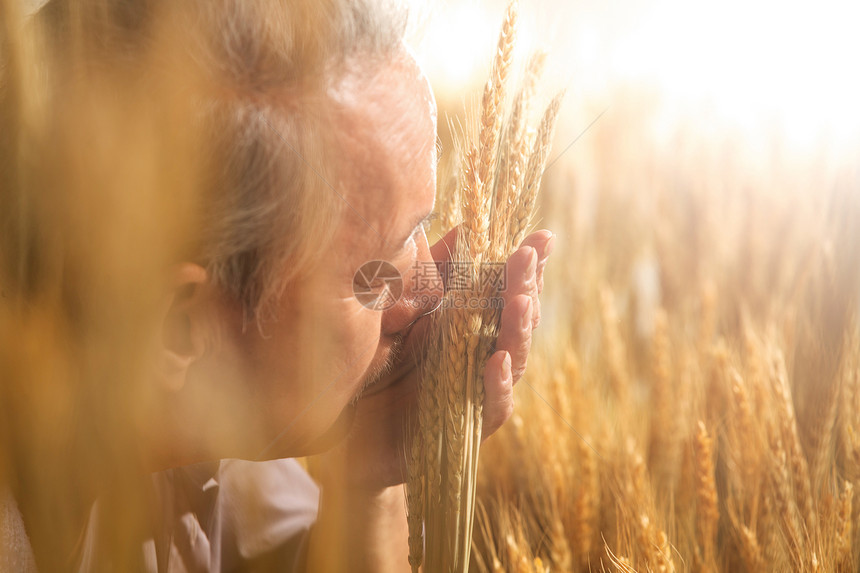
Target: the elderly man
(320, 153)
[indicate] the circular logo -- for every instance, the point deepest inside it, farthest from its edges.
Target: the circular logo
(377, 285)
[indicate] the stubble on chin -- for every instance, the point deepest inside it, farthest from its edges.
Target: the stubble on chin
(378, 370)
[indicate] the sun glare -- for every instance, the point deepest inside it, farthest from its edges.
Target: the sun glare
(454, 44)
(761, 61)
(764, 63)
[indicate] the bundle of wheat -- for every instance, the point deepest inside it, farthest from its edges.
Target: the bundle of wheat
(503, 162)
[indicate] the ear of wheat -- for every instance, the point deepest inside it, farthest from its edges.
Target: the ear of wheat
(502, 165)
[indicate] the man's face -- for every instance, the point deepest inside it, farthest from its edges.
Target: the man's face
(326, 345)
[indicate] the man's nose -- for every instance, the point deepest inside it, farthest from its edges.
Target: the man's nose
(423, 289)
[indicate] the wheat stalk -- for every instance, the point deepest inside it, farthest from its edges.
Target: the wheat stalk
(513, 152)
(750, 549)
(844, 557)
(522, 214)
(707, 512)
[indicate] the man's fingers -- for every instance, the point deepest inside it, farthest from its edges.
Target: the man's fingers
(498, 392)
(520, 315)
(515, 333)
(522, 279)
(542, 242)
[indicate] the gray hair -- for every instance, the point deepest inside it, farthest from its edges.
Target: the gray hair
(266, 207)
(271, 219)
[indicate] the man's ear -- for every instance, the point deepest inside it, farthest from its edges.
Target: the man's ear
(183, 336)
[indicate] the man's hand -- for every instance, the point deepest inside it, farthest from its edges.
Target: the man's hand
(373, 455)
(361, 513)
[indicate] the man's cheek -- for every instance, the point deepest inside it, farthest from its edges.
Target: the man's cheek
(356, 353)
(361, 331)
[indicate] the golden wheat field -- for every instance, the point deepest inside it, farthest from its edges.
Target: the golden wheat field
(692, 403)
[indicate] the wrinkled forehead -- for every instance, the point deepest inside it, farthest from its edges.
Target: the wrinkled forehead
(383, 92)
(385, 133)
(384, 112)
